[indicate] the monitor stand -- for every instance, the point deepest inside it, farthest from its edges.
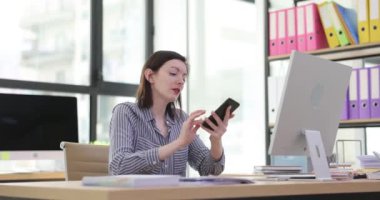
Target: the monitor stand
(317, 154)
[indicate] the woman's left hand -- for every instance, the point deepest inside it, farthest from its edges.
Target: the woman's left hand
(220, 127)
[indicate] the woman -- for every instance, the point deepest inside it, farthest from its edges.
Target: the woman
(152, 136)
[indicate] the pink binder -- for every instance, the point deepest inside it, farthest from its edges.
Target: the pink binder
(364, 94)
(273, 42)
(375, 91)
(291, 21)
(301, 29)
(281, 25)
(353, 110)
(316, 38)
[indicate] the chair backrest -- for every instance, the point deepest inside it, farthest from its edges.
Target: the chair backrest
(84, 160)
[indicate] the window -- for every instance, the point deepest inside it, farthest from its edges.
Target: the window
(170, 25)
(224, 63)
(221, 48)
(45, 41)
(105, 107)
(124, 38)
(48, 50)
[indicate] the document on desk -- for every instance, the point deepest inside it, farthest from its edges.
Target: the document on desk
(377, 154)
(215, 180)
(286, 177)
(373, 175)
(133, 180)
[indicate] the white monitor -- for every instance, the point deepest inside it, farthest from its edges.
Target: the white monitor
(312, 101)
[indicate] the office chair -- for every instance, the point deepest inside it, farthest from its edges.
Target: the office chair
(84, 160)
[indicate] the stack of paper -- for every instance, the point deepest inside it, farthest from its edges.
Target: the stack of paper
(135, 180)
(369, 161)
(372, 164)
(215, 180)
(340, 173)
(272, 169)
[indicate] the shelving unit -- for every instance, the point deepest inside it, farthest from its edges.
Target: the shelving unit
(359, 51)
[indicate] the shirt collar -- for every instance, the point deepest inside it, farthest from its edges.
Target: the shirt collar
(169, 120)
(149, 116)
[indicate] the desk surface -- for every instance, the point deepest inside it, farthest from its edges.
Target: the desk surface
(32, 176)
(74, 190)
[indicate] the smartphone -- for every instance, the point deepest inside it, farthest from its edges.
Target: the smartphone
(221, 111)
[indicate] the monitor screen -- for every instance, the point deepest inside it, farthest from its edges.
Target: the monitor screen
(36, 122)
(312, 99)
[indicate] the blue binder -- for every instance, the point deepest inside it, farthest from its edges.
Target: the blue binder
(350, 20)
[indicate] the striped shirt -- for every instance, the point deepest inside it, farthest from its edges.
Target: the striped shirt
(135, 139)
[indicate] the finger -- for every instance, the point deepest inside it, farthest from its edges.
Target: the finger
(228, 115)
(217, 119)
(196, 114)
(207, 129)
(211, 124)
(195, 128)
(198, 111)
(197, 122)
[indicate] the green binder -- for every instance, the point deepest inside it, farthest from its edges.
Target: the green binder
(338, 25)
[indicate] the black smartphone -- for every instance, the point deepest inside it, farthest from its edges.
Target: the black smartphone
(221, 111)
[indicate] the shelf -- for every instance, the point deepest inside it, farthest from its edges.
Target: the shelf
(356, 123)
(360, 123)
(341, 53)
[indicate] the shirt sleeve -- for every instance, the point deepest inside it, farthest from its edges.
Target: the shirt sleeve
(201, 160)
(123, 158)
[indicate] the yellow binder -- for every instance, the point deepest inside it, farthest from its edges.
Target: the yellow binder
(374, 23)
(340, 31)
(328, 26)
(363, 21)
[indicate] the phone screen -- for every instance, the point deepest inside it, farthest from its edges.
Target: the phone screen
(221, 111)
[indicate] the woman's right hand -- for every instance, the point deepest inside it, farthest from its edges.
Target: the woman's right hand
(189, 128)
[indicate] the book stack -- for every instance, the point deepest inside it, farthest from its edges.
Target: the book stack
(369, 161)
(371, 165)
(214, 180)
(342, 173)
(272, 169)
(133, 180)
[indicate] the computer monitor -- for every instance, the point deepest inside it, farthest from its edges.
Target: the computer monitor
(32, 126)
(311, 102)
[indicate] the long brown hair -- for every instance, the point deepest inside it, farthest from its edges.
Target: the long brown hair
(144, 92)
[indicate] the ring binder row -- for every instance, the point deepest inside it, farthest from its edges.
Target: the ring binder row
(296, 28)
(363, 94)
(369, 21)
(326, 25)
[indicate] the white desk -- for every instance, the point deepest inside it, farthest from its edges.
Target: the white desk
(356, 189)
